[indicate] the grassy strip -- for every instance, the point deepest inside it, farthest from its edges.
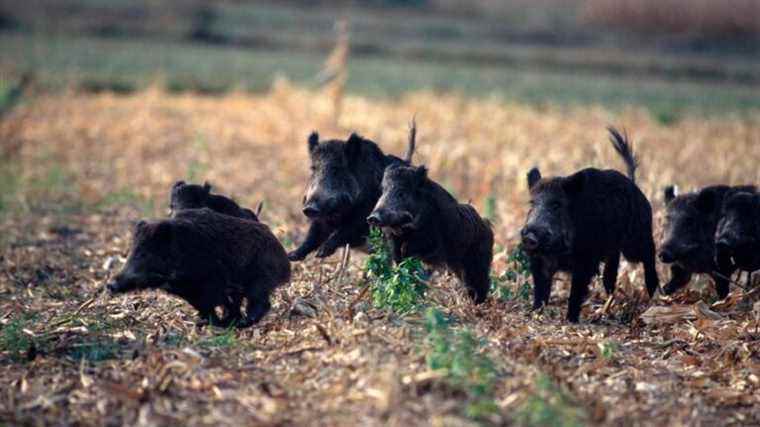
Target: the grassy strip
(550, 406)
(465, 368)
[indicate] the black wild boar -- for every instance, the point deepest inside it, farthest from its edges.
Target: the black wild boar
(193, 196)
(343, 188)
(737, 238)
(208, 259)
(688, 243)
(421, 219)
(578, 221)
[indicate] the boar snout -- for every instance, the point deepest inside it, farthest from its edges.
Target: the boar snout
(529, 239)
(533, 237)
(374, 219)
(321, 206)
(117, 286)
(388, 218)
(311, 210)
(671, 253)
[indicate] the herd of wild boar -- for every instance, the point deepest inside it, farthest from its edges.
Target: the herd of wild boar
(214, 253)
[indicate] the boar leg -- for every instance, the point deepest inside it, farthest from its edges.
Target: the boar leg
(425, 245)
(721, 281)
(476, 277)
(581, 277)
(206, 314)
(679, 277)
(353, 234)
(232, 309)
(650, 273)
(644, 252)
(314, 237)
(610, 273)
(542, 282)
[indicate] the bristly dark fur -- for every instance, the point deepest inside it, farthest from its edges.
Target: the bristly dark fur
(578, 221)
(193, 196)
(343, 188)
(737, 237)
(437, 229)
(688, 243)
(209, 260)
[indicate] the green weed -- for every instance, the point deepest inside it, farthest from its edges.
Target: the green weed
(549, 406)
(457, 354)
(398, 288)
(95, 351)
(225, 339)
(608, 349)
(14, 340)
(665, 115)
(515, 282)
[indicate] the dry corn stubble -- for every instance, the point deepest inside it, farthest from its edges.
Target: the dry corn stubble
(139, 360)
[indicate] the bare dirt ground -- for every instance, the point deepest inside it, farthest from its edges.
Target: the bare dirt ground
(90, 166)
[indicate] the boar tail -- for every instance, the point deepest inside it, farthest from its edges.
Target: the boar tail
(259, 208)
(623, 148)
(412, 141)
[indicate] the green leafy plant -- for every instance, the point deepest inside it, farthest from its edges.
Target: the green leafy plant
(398, 288)
(608, 349)
(14, 340)
(549, 406)
(518, 274)
(95, 351)
(225, 339)
(457, 354)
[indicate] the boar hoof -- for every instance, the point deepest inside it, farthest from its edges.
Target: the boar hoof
(669, 289)
(324, 253)
(295, 256)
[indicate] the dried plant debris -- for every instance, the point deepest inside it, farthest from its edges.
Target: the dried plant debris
(331, 351)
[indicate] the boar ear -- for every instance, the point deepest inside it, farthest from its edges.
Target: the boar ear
(707, 200)
(178, 184)
(573, 184)
(534, 175)
(671, 191)
(140, 225)
(207, 187)
(353, 145)
(313, 141)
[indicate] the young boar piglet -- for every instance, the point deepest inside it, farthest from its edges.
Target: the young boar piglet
(688, 242)
(578, 221)
(194, 196)
(737, 237)
(343, 188)
(209, 260)
(423, 220)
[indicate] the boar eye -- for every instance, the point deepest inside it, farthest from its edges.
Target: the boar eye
(555, 204)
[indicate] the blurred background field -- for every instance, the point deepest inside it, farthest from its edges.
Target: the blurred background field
(104, 104)
(667, 56)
